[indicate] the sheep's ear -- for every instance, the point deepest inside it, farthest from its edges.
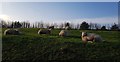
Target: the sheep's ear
(84, 33)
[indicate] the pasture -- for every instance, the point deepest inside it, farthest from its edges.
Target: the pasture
(31, 46)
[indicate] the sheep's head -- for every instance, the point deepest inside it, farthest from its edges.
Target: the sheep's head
(84, 34)
(51, 27)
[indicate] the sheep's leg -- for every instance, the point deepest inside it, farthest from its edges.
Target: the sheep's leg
(84, 43)
(84, 39)
(4, 33)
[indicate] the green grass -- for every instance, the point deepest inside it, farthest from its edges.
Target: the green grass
(31, 46)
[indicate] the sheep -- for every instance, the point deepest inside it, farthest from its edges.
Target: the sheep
(63, 33)
(44, 31)
(51, 27)
(11, 32)
(66, 28)
(86, 37)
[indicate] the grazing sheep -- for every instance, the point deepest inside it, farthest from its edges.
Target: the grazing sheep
(44, 31)
(63, 33)
(11, 32)
(91, 37)
(67, 28)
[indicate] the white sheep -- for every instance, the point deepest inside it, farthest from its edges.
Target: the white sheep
(63, 33)
(67, 28)
(44, 31)
(11, 32)
(86, 37)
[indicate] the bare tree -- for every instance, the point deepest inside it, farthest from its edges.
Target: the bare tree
(97, 26)
(33, 25)
(47, 25)
(41, 25)
(55, 25)
(61, 25)
(4, 24)
(91, 26)
(78, 26)
(72, 26)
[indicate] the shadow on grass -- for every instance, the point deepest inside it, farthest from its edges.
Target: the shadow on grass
(74, 36)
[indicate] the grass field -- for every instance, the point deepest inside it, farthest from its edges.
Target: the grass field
(31, 46)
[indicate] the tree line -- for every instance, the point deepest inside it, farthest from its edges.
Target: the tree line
(83, 26)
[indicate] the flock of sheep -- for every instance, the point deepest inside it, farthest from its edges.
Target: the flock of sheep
(86, 37)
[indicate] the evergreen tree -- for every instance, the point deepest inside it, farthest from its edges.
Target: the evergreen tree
(114, 27)
(103, 28)
(84, 25)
